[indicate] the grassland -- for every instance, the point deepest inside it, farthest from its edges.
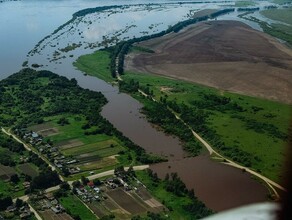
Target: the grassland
(174, 203)
(96, 64)
(67, 118)
(229, 125)
(280, 31)
(94, 152)
(75, 207)
(282, 1)
(237, 129)
(244, 3)
(283, 15)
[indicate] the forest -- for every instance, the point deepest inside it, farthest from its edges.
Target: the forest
(37, 95)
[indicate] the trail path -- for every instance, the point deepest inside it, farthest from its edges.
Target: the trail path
(271, 184)
(28, 148)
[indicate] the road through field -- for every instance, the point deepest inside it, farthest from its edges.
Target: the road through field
(27, 147)
(271, 184)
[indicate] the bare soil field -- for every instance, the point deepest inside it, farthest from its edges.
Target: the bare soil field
(70, 144)
(27, 169)
(143, 193)
(126, 201)
(6, 172)
(50, 215)
(99, 211)
(40, 127)
(227, 55)
(45, 129)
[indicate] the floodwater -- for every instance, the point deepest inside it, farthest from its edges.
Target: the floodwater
(219, 186)
(24, 23)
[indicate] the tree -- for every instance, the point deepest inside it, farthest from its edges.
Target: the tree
(65, 186)
(5, 201)
(14, 178)
(76, 184)
(119, 170)
(84, 180)
(131, 171)
(19, 203)
(96, 182)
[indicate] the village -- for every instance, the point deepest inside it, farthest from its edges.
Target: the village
(52, 153)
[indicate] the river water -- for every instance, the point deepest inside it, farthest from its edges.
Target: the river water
(24, 23)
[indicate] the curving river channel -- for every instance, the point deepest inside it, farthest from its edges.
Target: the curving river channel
(24, 23)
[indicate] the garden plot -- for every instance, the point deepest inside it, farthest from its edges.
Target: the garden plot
(6, 172)
(28, 169)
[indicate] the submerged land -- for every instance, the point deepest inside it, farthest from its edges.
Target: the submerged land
(205, 127)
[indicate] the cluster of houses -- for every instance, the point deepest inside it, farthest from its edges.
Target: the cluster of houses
(23, 212)
(48, 201)
(115, 182)
(51, 152)
(89, 193)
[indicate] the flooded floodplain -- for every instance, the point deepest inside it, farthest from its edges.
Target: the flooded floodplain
(32, 36)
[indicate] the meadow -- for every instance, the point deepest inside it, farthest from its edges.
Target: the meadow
(252, 129)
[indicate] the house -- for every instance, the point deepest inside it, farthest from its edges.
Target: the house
(34, 135)
(50, 196)
(11, 208)
(26, 184)
(56, 210)
(25, 215)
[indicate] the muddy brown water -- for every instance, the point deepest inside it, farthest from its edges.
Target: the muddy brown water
(219, 186)
(128, 119)
(232, 187)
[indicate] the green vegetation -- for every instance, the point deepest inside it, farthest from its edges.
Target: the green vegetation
(70, 47)
(284, 15)
(75, 207)
(140, 49)
(69, 123)
(117, 53)
(159, 114)
(282, 1)
(248, 130)
(181, 203)
(96, 64)
(244, 3)
(282, 32)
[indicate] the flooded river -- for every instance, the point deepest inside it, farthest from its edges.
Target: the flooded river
(23, 24)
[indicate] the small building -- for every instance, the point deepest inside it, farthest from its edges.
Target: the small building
(56, 210)
(25, 215)
(34, 135)
(11, 208)
(50, 196)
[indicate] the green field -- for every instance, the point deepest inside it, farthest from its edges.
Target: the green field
(244, 3)
(96, 64)
(75, 207)
(96, 147)
(257, 132)
(281, 1)
(10, 163)
(283, 15)
(175, 204)
(231, 126)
